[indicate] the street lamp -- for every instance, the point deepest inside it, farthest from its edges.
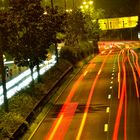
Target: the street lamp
(84, 3)
(90, 2)
(45, 13)
(86, 6)
(68, 10)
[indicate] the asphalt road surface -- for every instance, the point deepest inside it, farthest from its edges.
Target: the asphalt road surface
(101, 103)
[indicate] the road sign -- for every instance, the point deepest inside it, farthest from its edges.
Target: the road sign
(118, 23)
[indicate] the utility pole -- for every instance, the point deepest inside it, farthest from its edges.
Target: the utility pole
(65, 5)
(73, 4)
(52, 6)
(3, 73)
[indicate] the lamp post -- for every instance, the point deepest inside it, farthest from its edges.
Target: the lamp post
(65, 4)
(73, 4)
(86, 5)
(3, 73)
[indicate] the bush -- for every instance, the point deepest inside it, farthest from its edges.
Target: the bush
(76, 54)
(9, 122)
(69, 54)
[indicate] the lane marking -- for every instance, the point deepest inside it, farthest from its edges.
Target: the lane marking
(85, 73)
(105, 127)
(109, 96)
(99, 72)
(57, 122)
(107, 109)
(55, 128)
(89, 100)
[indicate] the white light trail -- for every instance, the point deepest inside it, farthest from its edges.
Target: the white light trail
(24, 79)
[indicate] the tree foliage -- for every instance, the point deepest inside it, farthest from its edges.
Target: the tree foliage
(74, 27)
(32, 37)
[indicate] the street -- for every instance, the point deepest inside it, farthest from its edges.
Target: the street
(102, 101)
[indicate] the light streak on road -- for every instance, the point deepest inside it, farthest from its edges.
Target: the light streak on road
(134, 76)
(55, 128)
(99, 72)
(85, 73)
(119, 82)
(125, 115)
(121, 102)
(89, 100)
(62, 112)
(23, 80)
(136, 64)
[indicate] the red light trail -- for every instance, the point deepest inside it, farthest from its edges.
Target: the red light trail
(122, 96)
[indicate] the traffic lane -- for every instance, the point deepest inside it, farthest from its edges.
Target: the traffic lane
(97, 121)
(97, 116)
(133, 112)
(82, 88)
(52, 115)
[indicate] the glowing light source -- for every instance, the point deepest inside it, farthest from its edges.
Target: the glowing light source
(84, 2)
(90, 2)
(81, 7)
(86, 6)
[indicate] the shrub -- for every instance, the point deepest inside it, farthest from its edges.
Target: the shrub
(21, 103)
(69, 54)
(9, 122)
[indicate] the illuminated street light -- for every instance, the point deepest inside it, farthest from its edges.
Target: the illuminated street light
(86, 6)
(90, 2)
(45, 13)
(68, 10)
(81, 6)
(84, 3)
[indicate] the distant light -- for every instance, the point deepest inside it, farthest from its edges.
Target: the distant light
(81, 7)
(138, 35)
(69, 10)
(84, 2)
(90, 2)
(87, 6)
(45, 13)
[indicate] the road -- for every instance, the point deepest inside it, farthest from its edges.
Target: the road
(102, 101)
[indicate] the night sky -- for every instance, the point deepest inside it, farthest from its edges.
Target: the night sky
(112, 7)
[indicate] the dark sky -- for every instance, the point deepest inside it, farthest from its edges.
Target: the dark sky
(112, 7)
(121, 7)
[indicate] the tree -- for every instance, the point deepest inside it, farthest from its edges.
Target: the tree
(56, 17)
(30, 50)
(74, 27)
(92, 27)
